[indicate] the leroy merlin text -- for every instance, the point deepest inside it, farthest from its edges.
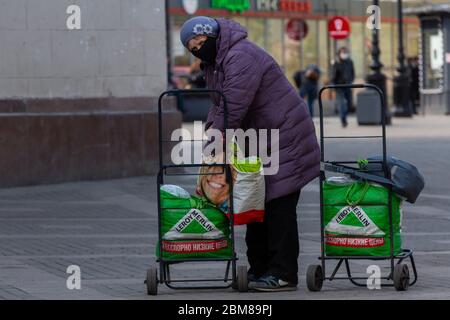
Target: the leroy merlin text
(194, 214)
(357, 212)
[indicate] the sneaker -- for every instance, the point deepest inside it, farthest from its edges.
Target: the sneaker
(271, 284)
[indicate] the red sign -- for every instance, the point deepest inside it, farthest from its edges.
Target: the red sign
(354, 242)
(284, 5)
(195, 246)
(339, 27)
(296, 29)
(295, 6)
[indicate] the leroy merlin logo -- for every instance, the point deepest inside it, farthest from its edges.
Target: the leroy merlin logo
(193, 225)
(232, 5)
(353, 220)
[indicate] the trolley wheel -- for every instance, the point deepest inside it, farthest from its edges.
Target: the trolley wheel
(401, 277)
(314, 277)
(152, 281)
(242, 281)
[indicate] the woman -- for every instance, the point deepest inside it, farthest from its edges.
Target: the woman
(260, 97)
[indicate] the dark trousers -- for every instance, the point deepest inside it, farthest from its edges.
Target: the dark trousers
(273, 245)
(309, 90)
(344, 100)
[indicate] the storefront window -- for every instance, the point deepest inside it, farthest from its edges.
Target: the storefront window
(309, 43)
(395, 44)
(385, 38)
(255, 29)
(180, 55)
(266, 27)
(274, 41)
(323, 56)
(292, 56)
(412, 42)
(433, 54)
(181, 59)
(241, 20)
(357, 47)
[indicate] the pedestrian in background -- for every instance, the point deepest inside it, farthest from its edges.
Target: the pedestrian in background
(343, 72)
(413, 73)
(259, 96)
(308, 82)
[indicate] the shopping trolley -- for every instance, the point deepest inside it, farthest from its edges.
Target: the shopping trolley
(399, 275)
(238, 279)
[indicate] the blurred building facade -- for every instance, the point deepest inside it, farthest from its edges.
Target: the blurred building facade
(266, 22)
(80, 103)
(112, 55)
(434, 63)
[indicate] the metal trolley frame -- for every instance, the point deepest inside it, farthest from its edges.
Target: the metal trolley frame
(238, 278)
(399, 276)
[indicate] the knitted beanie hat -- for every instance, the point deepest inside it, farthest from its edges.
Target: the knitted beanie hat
(198, 26)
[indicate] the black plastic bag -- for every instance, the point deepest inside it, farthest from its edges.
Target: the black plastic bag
(407, 181)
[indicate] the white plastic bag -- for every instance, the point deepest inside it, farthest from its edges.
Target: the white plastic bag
(248, 188)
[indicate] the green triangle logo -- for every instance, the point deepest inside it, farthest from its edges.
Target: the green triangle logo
(193, 227)
(352, 220)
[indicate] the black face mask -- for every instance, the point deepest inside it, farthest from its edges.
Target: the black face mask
(208, 51)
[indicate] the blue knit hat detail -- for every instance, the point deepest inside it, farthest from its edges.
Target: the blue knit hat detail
(198, 26)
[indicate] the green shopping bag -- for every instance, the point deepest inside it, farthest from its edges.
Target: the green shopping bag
(191, 227)
(356, 219)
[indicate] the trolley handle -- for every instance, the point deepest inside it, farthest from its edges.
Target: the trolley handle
(355, 86)
(383, 116)
(196, 91)
(185, 92)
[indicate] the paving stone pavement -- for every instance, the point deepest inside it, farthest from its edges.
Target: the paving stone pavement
(109, 229)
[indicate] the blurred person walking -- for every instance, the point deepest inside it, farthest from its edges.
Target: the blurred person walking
(343, 72)
(413, 73)
(310, 86)
(308, 82)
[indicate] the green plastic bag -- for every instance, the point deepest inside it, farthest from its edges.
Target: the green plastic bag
(191, 227)
(356, 219)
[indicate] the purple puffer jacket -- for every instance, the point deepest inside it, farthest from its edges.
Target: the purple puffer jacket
(260, 97)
